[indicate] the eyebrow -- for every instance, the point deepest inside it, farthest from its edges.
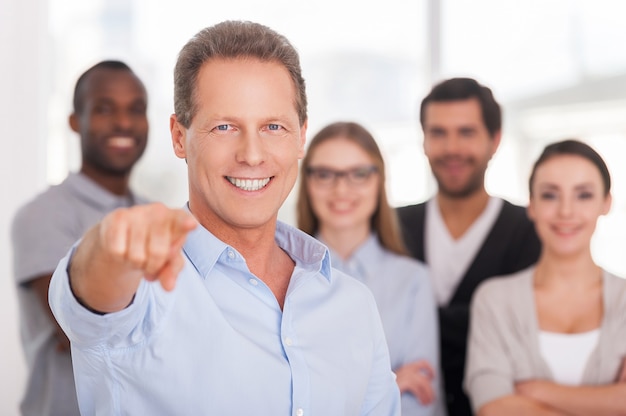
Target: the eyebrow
(435, 129)
(108, 99)
(579, 187)
(349, 168)
(584, 186)
(276, 118)
(467, 129)
(463, 128)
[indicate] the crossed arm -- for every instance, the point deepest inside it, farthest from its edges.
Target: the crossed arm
(419, 377)
(539, 397)
(516, 405)
(490, 367)
(578, 400)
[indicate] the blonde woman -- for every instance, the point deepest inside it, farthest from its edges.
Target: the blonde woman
(551, 340)
(342, 201)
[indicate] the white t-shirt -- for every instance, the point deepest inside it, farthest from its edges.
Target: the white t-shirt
(448, 259)
(567, 354)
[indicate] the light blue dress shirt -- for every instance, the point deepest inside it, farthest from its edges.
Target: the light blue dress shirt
(406, 302)
(219, 344)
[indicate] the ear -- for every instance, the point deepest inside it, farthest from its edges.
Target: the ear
(608, 201)
(496, 139)
(73, 120)
(179, 134)
(302, 143)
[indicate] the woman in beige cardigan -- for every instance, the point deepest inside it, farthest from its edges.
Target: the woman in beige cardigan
(551, 340)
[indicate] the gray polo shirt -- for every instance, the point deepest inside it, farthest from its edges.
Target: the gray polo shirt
(42, 232)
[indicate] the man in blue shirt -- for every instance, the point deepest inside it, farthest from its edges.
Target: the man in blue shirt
(248, 317)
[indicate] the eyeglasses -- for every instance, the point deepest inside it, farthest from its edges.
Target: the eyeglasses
(355, 176)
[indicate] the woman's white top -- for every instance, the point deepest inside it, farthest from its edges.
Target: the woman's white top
(567, 354)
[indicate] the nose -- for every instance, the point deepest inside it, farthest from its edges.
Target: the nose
(250, 149)
(452, 143)
(565, 207)
(123, 120)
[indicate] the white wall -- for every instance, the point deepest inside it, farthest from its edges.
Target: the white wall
(22, 106)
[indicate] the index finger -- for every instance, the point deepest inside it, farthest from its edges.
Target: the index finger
(182, 223)
(164, 236)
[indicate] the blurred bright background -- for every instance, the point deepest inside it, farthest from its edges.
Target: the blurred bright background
(558, 67)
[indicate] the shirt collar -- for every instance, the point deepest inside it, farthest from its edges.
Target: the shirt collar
(94, 194)
(305, 250)
(204, 249)
(366, 253)
(369, 250)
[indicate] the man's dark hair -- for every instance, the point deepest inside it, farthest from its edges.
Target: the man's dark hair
(456, 89)
(78, 95)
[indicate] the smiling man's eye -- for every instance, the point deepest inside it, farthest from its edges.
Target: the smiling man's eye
(103, 109)
(138, 109)
(222, 127)
(273, 126)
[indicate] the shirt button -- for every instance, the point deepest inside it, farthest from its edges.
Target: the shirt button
(300, 412)
(253, 282)
(289, 342)
(231, 254)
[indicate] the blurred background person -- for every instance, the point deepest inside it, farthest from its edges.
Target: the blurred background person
(342, 201)
(550, 339)
(464, 234)
(109, 115)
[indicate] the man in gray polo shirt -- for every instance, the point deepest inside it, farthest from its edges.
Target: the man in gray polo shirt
(109, 115)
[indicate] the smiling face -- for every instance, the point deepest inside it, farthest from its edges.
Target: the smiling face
(567, 197)
(458, 146)
(112, 122)
(243, 144)
(340, 204)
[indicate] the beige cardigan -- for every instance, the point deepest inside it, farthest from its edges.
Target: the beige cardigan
(504, 338)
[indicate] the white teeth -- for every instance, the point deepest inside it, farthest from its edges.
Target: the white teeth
(565, 230)
(341, 206)
(249, 184)
(121, 141)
